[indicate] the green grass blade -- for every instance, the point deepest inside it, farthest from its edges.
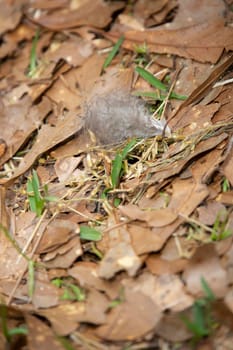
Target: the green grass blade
(208, 291)
(31, 278)
(178, 97)
(149, 94)
(90, 234)
(151, 79)
(33, 58)
(128, 148)
(18, 330)
(33, 190)
(78, 293)
(117, 163)
(199, 321)
(113, 52)
(157, 84)
(116, 170)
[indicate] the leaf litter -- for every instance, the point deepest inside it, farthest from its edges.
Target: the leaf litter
(107, 246)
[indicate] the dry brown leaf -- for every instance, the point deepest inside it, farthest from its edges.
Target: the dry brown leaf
(74, 52)
(52, 4)
(64, 256)
(114, 79)
(45, 294)
(166, 291)
(160, 266)
(154, 218)
(225, 198)
(85, 14)
(18, 121)
(40, 335)
(11, 13)
(225, 98)
(172, 328)
(205, 264)
(169, 169)
(72, 86)
(186, 197)
(132, 319)
(78, 145)
(210, 212)
(203, 168)
(48, 136)
(226, 167)
(195, 119)
(161, 16)
(86, 273)
(118, 258)
(12, 262)
(194, 12)
(130, 22)
(58, 232)
(202, 42)
(222, 312)
(228, 260)
(205, 86)
(146, 8)
(65, 167)
(145, 239)
(65, 317)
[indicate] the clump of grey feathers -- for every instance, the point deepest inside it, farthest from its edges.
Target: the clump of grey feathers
(116, 116)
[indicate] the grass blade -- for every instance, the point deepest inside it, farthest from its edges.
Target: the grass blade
(78, 293)
(149, 94)
(31, 278)
(116, 170)
(128, 148)
(177, 96)
(113, 52)
(151, 79)
(33, 190)
(208, 291)
(157, 84)
(117, 163)
(90, 234)
(33, 58)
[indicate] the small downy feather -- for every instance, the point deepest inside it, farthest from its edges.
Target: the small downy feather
(116, 116)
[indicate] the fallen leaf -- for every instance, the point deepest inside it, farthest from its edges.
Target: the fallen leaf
(45, 294)
(48, 136)
(191, 41)
(172, 328)
(118, 258)
(40, 336)
(85, 14)
(57, 233)
(65, 318)
(154, 218)
(65, 255)
(159, 266)
(166, 290)
(86, 273)
(18, 121)
(132, 319)
(205, 264)
(211, 212)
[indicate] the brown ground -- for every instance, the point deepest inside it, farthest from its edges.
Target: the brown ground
(123, 243)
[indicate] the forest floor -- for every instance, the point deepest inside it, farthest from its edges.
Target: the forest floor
(126, 246)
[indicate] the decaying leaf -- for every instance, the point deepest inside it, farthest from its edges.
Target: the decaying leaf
(128, 238)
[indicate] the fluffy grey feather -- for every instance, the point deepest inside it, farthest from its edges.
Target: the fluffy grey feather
(117, 116)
